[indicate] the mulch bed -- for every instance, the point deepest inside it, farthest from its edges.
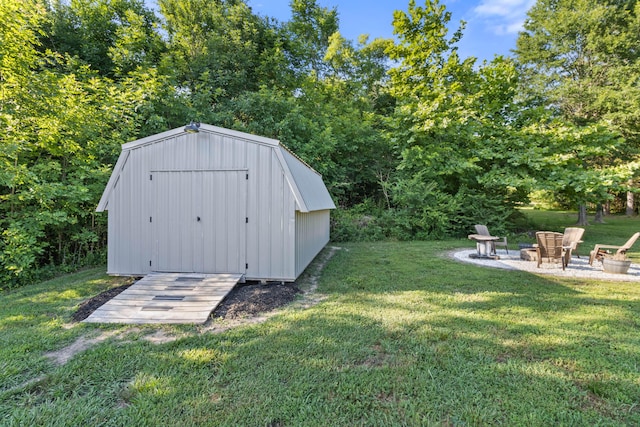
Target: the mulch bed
(252, 299)
(243, 301)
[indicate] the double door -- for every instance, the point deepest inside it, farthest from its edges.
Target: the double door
(199, 221)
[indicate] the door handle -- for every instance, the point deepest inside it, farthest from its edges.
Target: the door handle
(198, 218)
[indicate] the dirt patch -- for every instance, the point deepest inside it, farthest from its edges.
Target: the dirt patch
(62, 356)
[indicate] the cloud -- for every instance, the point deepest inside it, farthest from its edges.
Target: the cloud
(503, 16)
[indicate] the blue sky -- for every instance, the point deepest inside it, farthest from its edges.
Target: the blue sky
(492, 25)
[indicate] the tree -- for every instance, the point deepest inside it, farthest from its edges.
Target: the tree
(61, 127)
(310, 30)
(114, 37)
(216, 51)
(456, 130)
(580, 60)
(326, 109)
(576, 161)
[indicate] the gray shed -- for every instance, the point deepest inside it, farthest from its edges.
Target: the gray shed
(216, 201)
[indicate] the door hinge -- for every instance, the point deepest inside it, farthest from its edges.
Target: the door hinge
(246, 220)
(149, 263)
(247, 176)
(151, 177)
(150, 219)
(246, 266)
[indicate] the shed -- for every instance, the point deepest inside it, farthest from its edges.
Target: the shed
(215, 201)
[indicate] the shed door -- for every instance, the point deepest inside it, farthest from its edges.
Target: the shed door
(199, 221)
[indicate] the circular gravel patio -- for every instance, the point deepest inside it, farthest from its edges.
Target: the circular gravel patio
(577, 268)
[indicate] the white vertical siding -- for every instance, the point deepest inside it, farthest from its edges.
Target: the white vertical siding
(129, 210)
(271, 207)
(312, 234)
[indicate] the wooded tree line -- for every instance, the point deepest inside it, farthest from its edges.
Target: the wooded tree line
(412, 140)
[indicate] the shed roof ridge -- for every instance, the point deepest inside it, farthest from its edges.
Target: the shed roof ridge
(159, 137)
(240, 134)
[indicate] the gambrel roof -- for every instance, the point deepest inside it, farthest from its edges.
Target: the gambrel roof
(305, 183)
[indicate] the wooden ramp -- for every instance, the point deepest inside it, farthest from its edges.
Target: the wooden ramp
(167, 298)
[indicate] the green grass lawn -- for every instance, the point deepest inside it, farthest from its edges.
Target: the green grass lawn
(405, 336)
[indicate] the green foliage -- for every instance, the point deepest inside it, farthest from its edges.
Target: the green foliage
(360, 224)
(215, 49)
(61, 131)
(310, 30)
(364, 222)
(114, 37)
(580, 59)
(582, 163)
(81, 78)
(21, 245)
(412, 140)
(457, 129)
(424, 210)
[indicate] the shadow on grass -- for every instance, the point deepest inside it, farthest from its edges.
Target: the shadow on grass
(353, 365)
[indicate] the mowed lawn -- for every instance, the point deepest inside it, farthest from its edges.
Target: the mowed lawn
(404, 336)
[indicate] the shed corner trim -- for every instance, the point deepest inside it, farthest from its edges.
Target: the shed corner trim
(113, 179)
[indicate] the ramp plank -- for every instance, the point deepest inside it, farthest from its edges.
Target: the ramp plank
(181, 298)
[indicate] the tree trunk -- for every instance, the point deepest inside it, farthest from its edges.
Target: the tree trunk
(599, 218)
(383, 180)
(582, 215)
(631, 205)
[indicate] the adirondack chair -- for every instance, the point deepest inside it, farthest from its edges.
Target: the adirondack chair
(484, 231)
(549, 247)
(599, 250)
(571, 239)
